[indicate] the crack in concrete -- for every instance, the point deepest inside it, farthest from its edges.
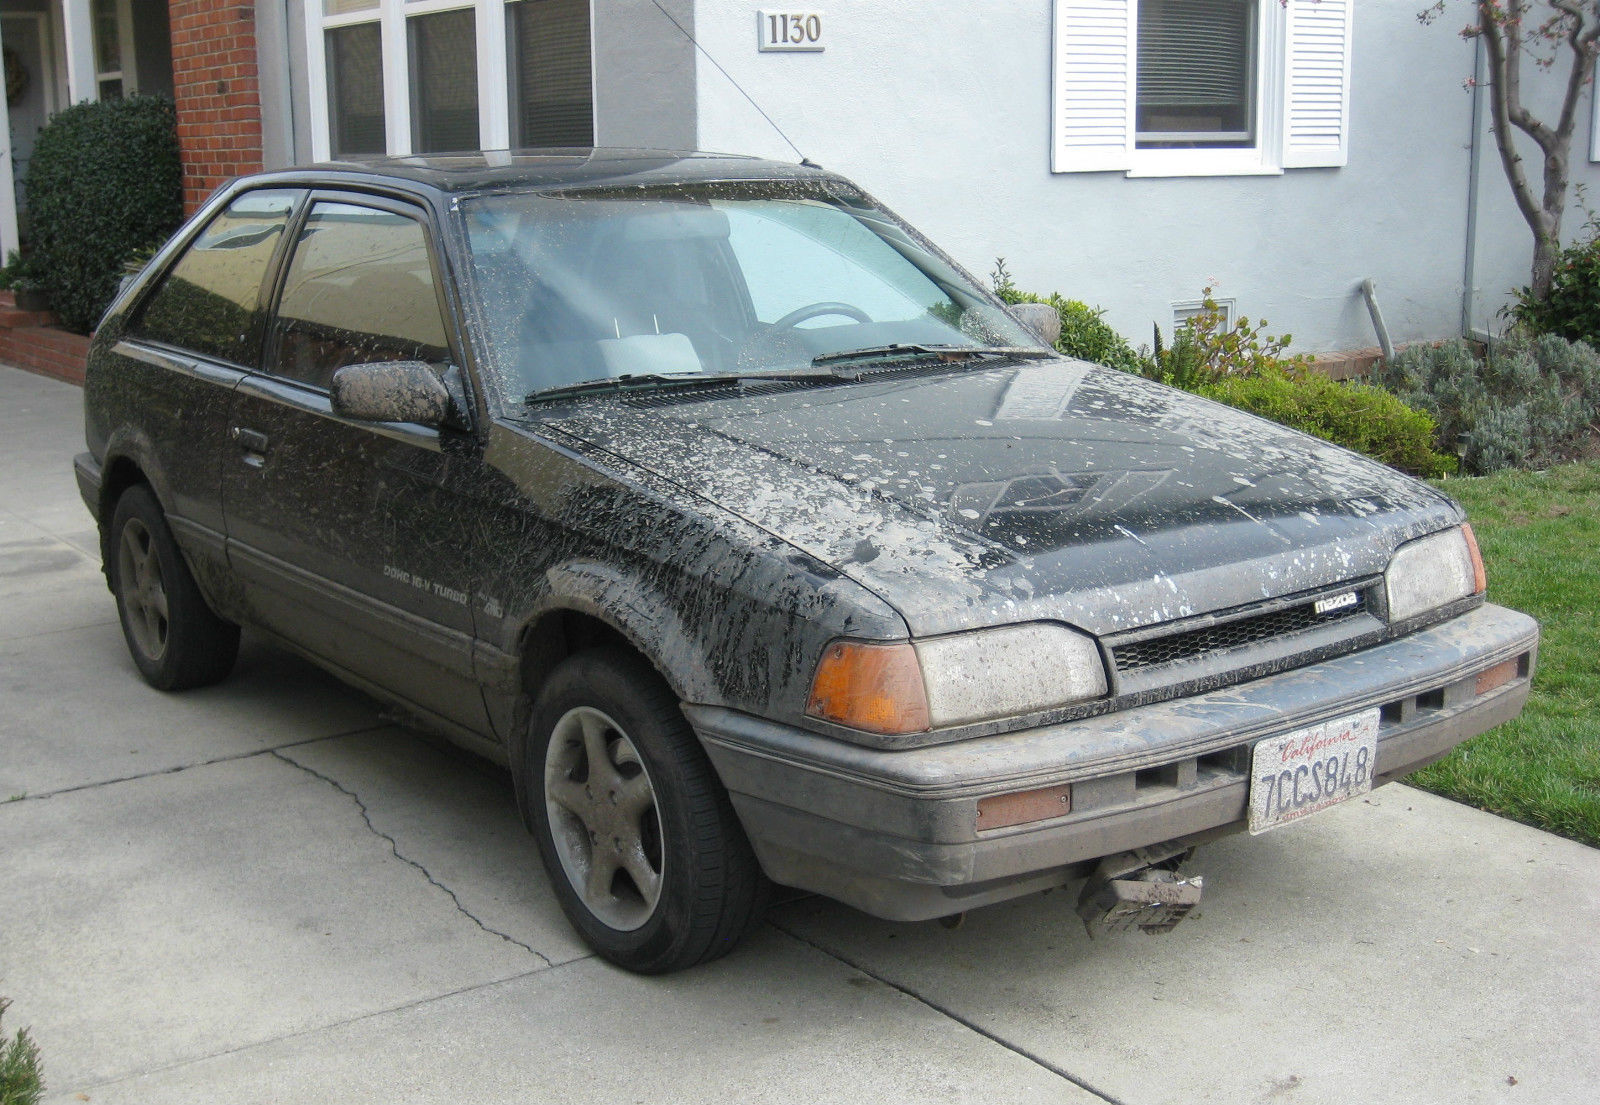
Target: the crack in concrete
(946, 1011)
(394, 847)
(331, 1026)
(180, 768)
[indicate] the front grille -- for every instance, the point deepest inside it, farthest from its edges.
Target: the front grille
(1220, 637)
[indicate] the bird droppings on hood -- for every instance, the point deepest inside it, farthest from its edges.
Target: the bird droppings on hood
(1180, 504)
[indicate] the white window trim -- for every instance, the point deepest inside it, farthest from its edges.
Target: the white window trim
(126, 75)
(1268, 157)
(494, 100)
(1265, 156)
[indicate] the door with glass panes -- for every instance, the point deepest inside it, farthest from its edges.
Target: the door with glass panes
(349, 533)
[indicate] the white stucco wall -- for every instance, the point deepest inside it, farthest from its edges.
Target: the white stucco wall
(942, 109)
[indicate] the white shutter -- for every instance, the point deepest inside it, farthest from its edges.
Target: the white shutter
(1093, 117)
(1316, 114)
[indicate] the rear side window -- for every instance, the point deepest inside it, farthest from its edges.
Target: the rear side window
(359, 289)
(210, 301)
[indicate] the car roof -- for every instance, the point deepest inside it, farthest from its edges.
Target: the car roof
(552, 169)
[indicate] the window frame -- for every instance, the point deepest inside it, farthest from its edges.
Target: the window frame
(126, 74)
(492, 19)
(1246, 138)
(1265, 156)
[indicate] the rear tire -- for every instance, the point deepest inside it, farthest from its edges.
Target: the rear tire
(175, 639)
(642, 846)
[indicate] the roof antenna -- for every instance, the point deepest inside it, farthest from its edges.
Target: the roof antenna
(803, 159)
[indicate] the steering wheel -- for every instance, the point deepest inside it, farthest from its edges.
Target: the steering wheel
(818, 310)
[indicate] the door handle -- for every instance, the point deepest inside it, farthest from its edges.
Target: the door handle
(251, 441)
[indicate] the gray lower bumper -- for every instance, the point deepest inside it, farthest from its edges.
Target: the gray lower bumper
(895, 833)
(87, 471)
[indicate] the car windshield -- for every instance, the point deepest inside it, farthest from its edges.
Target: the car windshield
(711, 280)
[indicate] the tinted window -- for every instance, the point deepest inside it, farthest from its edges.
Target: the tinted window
(359, 289)
(209, 302)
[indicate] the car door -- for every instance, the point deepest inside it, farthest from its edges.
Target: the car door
(353, 535)
(189, 340)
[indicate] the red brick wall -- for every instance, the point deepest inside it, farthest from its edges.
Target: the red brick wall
(218, 92)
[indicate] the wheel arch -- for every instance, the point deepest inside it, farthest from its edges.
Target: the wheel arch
(121, 472)
(589, 606)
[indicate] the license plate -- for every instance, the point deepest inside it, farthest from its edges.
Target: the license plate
(1299, 773)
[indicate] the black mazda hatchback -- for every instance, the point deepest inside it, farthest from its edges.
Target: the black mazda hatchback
(760, 542)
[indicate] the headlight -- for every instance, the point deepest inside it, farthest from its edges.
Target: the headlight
(1432, 571)
(914, 686)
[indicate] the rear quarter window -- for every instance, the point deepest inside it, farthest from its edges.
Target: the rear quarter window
(209, 302)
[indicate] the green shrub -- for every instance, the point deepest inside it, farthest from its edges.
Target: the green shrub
(1572, 307)
(104, 182)
(1205, 350)
(1084, 334)
(1359, 417)
(1529, 403)
(20, 1080)
(20, 273)
(1241, 365)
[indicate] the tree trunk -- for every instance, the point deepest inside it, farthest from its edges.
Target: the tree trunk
(1506, 36)
(1545, 250)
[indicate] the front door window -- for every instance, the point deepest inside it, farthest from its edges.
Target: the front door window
(360, 289)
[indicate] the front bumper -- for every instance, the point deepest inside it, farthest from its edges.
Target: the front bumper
(895, 833)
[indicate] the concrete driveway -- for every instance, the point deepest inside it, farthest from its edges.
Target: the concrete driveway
(267, 892)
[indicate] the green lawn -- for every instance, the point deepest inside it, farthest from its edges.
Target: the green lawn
(1540, 535)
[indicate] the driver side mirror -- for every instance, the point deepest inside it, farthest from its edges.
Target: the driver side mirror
(391, 391)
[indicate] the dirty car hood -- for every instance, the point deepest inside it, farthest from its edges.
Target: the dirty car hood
(1051, 489)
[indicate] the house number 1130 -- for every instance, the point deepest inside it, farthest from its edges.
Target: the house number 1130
(789, 30)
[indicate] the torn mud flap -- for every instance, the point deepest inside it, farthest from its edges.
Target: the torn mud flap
(1139, 890)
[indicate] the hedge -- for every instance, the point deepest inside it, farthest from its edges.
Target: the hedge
(104, 185)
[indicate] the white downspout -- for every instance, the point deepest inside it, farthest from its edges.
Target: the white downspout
(1474, 171)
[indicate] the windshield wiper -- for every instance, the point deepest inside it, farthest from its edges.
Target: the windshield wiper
(916, 349)
(644, 380)
(837, 363)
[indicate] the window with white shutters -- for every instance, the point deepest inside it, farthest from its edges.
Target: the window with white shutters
(1200, 87)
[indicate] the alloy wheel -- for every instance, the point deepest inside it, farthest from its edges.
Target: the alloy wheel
(143, 590)
(603, 818)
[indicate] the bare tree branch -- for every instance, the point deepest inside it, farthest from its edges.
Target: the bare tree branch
(1572, 31)
(1504, 74)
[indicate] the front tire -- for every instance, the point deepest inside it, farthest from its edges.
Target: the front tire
(642, 847)
(175, 639)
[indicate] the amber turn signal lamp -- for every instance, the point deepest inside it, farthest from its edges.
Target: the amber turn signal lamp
(875, 688)
(1480, 579)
